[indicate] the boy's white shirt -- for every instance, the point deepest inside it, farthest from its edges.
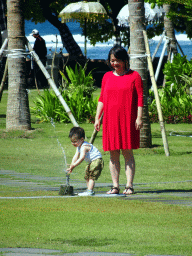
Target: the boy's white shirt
(79, 157)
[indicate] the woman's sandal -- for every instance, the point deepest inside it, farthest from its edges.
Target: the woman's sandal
(114, 190)
(125, 192)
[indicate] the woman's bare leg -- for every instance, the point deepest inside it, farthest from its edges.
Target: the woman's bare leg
(114, 166)
(129, 168)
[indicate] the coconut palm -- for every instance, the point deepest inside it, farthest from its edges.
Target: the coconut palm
(138, 61)
(67, 38)
(18, 115)
(170, 33)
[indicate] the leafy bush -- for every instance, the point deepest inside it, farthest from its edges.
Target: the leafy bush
(77, 94)
(176, 102)
(176, 107)
(79, 78)
(175, 71)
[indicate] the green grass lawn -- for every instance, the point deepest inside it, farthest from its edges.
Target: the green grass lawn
(94, 224)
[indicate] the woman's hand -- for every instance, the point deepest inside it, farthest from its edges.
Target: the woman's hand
(139, 123)
(97, 125)
(139, 120)
(98, 115)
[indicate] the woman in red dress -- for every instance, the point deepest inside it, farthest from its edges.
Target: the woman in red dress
(121, 101)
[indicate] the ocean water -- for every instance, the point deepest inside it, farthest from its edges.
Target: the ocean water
(100, 50)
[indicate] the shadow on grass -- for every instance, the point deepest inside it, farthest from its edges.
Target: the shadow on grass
(165, 191)
(156, 135)
(84, 242)
(185, 153)
(2, 116)
(155, 146)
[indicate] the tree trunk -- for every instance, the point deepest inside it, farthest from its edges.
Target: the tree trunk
(170, 33)
(18, 115)
(3, 22)
(138, 61)
(67, 39)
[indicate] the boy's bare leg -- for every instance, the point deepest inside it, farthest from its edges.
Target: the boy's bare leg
(90, 184)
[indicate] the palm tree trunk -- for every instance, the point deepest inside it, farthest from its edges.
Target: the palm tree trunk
(18, 115)
(66, 37)
(138, 61)
(170, 33)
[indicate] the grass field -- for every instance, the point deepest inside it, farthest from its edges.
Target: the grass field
(94, 224)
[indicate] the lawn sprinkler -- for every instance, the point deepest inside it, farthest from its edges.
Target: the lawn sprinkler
(66, 189)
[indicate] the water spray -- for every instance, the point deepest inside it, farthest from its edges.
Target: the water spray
(64, 189)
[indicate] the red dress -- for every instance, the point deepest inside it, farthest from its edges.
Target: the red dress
(121, 96)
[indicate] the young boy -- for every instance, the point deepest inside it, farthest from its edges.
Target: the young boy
(89, 153)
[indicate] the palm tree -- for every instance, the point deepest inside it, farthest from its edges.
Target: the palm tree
(170, 33)
(138, 61)
(67, 38)
(18, 115)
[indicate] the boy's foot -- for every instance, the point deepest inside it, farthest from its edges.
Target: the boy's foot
(87, 193)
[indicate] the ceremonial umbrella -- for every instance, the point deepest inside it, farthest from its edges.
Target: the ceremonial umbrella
(87, 11)
(154, 15)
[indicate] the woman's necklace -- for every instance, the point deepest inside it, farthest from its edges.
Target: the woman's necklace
(121, 74)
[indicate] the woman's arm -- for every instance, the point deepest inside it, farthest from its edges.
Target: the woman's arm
(139, 121)
(139, 88)
(98, 115)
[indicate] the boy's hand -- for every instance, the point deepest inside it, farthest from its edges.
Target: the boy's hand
(70, 169)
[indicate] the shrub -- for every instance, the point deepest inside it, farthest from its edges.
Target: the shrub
(175, 71)
(77, 94)
(176, 102)
(176, 108)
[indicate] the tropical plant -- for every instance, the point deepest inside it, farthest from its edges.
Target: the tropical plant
(79, 78)
(176, 102)
(77, 94)
(174, 71)
(46, 106)
(176, 105)
(188, 82)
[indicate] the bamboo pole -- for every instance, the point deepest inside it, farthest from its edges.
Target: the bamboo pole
(51, 83)
(94, 134)
(161, 59)
(53, 60)
(160, 41)
(3, 46)
(160, 115)
(180, 47)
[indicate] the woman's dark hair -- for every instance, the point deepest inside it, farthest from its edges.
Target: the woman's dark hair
(77, 131)
(119, 53)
